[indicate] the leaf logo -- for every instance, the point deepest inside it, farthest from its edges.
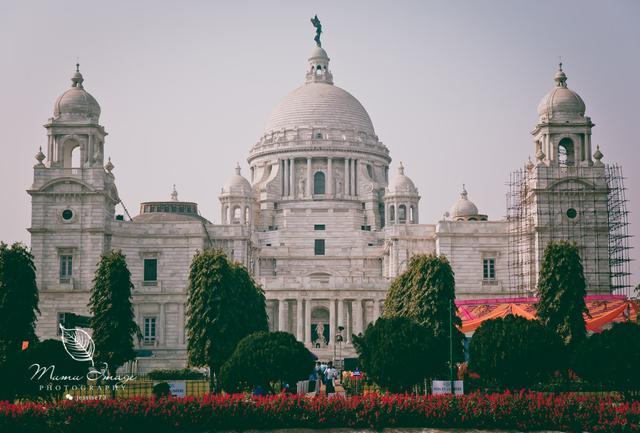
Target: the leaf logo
(78, 344)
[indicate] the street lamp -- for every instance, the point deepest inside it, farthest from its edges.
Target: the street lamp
(339, 340)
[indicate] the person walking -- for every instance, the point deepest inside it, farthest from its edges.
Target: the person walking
(330, 375)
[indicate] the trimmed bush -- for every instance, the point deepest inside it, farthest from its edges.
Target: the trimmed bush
(397, 353)
(514, 353)
(265, 358)
(611, 358)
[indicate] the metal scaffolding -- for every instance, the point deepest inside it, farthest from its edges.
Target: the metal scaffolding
(582, 204)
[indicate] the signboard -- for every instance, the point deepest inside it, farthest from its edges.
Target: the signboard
(179, 388)
(444, 387)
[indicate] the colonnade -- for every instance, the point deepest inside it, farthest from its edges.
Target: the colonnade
(347, 186)
(346, 313)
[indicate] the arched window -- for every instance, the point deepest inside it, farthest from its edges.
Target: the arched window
(319, 135)
(402, 214)
(237, 214)
(318, 183)
(71, 154)
(392, 213)
(566, 152)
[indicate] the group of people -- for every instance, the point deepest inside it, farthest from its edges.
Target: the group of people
(324, 373)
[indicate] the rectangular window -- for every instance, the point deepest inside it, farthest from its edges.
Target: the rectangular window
(149, 331)
(318, 226)
(319, 247)
(489, 269)
(66, 268)
(150, 270)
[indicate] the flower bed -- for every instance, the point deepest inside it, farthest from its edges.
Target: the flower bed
(521, 411)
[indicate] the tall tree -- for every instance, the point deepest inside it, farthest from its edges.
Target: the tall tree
(18, 299)
(224, 306)
(425, 293)
(561, 292)
(113, 322)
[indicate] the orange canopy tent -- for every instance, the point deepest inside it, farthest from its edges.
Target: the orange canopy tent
(603, 309)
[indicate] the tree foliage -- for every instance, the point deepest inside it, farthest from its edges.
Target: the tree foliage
(224, 306)
(611, 358)
(398, 353)
(264, 358)
(561, 292)
(18, 380)
(113, 321)
(18, 299)
(424, 293)
(513, 352)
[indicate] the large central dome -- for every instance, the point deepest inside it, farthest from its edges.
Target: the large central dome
(320, 105)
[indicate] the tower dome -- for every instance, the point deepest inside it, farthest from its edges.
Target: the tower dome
(465, 210)
(319, 104)
(76, 103)
(561, 103)
(237, 185)
(401, 183)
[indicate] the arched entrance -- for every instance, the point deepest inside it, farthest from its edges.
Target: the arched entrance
(319, 327)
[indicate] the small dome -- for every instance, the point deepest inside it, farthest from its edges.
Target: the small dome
(561, 102)
(464, 207)
(401, 183)
(318, 52)
(237, 184)
(77, 103)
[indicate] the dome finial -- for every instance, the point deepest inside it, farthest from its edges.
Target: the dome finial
(401, 168)
(77, 79)
(238, 168)
(174, 193)
(561, 77)
(109, 166)
(464, 193)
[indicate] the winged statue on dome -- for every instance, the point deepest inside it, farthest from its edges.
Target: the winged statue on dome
(316, 23)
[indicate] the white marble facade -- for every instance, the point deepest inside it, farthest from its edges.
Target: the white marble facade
(321, 223)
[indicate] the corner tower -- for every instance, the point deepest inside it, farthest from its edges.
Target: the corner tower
(73, 199)
(568, 193)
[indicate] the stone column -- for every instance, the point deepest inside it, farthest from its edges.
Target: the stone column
(300, 320)
(181, 324)
(358, 319)
(329, 190)
(346, 176)
(376, 309)
(309, 188)
(285, 183)
(332, 322)
(307, 322)
(341, 312)
(352, 179)
(160, 328)
(292, 177)
(349, 325)
(354, 188)
(282, 318)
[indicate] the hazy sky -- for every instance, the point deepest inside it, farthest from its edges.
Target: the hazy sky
(186, 87)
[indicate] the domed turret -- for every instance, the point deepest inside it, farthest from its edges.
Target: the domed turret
(237, 200)
(401, 184)
(76, 103)
(561, 103)
(465, 210)
(237, 185)
(401, 200)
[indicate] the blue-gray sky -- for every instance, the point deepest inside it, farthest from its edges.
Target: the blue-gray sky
(186, 87)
